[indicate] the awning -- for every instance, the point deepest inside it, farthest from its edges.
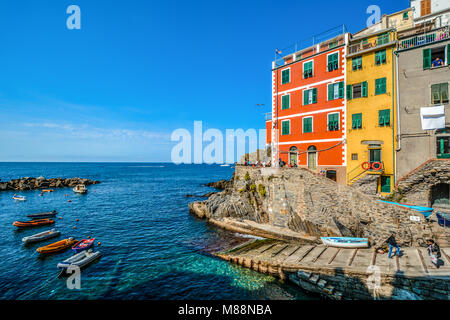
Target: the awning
(432, 117)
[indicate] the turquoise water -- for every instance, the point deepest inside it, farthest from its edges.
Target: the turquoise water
(152, 248)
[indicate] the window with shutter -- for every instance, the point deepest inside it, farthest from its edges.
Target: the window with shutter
(307, 124)
(333, 122)
(364, 89)
(333, 62)
(349, 91)
(307, 69)
(285, 76)
(380, 57)
(285, 127)
(341, 90)
(380, 86)
(384, 117)
(439, 93)
(426, 59)
(285, 102)
(310, 96)
(385, 184)
(357, 63)
(357, 121)
(314, 95)
(330, 92)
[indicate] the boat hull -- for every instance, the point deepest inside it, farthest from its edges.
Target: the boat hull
(56, 247)
(42, 215)
(345, 242)
(41, 236)
(33, 223)
(443, 219)
(80, 260)
(83, 245)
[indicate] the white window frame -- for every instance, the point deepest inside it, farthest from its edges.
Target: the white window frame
(339, 64)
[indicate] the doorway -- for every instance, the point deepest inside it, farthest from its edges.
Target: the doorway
(331, 174)
(440, 194)
(312, 158)
(293, 156)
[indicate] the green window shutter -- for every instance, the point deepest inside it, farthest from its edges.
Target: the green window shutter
(314, 95)
(444, 92)
(377, 58)
(349, 91)
(359, 121)
(383, 56)
(354, 122)
(330, 92)
(305, 97)
(285, 127)
(381, 118)
(341, 90)
(364, 89)
(448, 54)
(385, 184)
(383, 85)
(377, 86)
(426, 59)
(285, 76)
(333, 62)
(285, 102)
(307, 125)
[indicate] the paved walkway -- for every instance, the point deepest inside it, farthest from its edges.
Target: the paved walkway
(414, 262)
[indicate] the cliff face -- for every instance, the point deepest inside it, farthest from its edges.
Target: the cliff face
(302, 202)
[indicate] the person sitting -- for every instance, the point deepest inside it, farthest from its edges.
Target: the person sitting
(434, 252)
(438, 62)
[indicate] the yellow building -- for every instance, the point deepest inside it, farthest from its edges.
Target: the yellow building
(371, 111)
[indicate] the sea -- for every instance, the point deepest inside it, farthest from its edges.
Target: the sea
(151, 247)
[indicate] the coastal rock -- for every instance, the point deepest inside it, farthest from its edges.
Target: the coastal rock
(28, 183)
(220, 185)
(306, 203)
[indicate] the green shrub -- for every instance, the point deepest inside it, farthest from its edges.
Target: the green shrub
(247, 176)
(262, 190)
(253, 187)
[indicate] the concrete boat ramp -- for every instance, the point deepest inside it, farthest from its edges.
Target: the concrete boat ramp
(348, 273)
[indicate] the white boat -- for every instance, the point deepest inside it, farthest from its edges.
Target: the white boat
(345, 242)
(41, 236)
(80, 188)
(225, 165)
(19, 198)
(80, 260)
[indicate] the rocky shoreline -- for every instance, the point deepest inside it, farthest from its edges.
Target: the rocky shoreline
(298, 205)
(27, 183)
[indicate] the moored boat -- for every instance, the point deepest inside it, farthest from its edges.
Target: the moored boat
(57, 246)
(41, 236)
(33, 223)
(83, 245)
(19, 198)
(80, 188)
(43, 215)
(443, 219)
(80, 260)
(345, 242)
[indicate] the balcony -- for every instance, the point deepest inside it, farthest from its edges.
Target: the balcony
(367, 45)
(268, 116)
(425, 38)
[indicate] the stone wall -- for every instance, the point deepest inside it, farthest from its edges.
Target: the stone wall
(254, 156)
(415, 187)
(311, 204)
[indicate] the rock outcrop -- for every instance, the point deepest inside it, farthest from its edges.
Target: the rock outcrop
(27, 183)
(301, 201)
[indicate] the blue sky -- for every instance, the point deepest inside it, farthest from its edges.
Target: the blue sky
(137, 70)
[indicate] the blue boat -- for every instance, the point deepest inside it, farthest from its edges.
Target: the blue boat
(345, 242)
(426, 211)
(443, 219)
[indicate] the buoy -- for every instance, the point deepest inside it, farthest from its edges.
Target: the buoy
(60, 218)
(99, 243)
(69, 200)
(77, 220)
(74, 227)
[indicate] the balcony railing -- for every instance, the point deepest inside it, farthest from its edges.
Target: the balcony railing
(268, 116)
(365, 45)
(425, 38)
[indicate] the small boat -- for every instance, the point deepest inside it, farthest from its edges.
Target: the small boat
(41, 236)
(83, 245)
(345, 242)
(225, 165)
(33, 223)
(426, 211)
(57, 246)
(19, 198)
(80, 188)
(47, 190)
(80, 260)
(443, 219)
(42, 215)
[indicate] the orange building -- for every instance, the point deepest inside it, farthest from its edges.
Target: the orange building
(307, 124)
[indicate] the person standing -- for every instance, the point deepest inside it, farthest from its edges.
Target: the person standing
(434, 252)
(393, 243)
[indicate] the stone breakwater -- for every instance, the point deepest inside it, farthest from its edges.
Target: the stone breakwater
(27, 183)
(297, 204)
